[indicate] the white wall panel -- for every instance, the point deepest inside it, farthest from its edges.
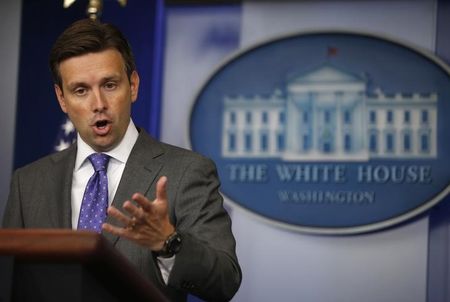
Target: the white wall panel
(281, 265)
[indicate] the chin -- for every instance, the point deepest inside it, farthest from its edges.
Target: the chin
(102, 147)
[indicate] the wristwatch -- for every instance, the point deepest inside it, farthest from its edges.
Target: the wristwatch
(172, 245)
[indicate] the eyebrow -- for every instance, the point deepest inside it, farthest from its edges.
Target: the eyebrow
(111, 78)
(73, 85)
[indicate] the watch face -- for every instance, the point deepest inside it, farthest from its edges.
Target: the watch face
(174, 244)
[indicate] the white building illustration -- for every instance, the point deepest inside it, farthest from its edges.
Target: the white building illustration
(328, 114)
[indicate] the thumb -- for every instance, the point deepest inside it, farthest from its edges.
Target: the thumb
(161, 191)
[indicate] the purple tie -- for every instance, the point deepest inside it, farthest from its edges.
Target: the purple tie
(95, 199)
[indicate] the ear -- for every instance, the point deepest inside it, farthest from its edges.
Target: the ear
(134, 84)
(60, 96)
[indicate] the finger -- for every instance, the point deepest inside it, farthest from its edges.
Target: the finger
(142, 201)
(161, 195)
(123, 232)
(133, 210)
(118, 215)
(127, 233)
(161, 191)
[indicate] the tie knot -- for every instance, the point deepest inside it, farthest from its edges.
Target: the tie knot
(99, 161)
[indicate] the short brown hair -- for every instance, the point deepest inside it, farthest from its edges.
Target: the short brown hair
(87, 36)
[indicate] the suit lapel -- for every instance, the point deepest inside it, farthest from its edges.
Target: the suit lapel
(139, 174)
(60, 212)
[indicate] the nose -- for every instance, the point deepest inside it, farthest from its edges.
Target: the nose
(99, 101)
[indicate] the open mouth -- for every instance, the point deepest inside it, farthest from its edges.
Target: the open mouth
(101, 124)
(102, 127)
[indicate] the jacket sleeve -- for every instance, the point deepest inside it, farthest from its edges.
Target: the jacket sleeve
(12, 217)
(206, 265)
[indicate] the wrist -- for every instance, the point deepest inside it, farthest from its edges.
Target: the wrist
(171, 246)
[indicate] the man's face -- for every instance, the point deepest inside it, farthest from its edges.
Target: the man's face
(97, 96)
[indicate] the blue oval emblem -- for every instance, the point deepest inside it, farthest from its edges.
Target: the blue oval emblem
(328, 132)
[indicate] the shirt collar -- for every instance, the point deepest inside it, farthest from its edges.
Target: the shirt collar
(119, 153)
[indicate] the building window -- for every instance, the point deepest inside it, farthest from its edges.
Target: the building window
(264, 142)
(373, 142)
(348, 142)
(407, 117)
(347, 117)
(326, 147)
(248, 117)
(248, 142)
(232, 118)
(265, 117)
(305, 117)
(327, 116)
(282, 117)
(306, 142)
(389, 116)
(231, 142)
(425, 143)
(407, 142)
(390, 142)
(373, 117)
(280, 142)
(424, 117)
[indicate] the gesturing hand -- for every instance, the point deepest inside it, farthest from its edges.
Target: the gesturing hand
(146, 223)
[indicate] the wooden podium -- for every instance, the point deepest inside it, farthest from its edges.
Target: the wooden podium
(64, 265)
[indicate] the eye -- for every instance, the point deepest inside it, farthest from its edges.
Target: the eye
(110, 85)
(80, 91)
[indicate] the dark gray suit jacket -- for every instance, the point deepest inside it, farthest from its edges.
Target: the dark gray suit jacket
(206, 265)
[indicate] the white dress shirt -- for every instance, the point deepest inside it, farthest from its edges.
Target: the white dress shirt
(83, 170)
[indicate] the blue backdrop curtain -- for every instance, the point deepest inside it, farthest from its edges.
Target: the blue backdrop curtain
(39, 117)
(438, 288)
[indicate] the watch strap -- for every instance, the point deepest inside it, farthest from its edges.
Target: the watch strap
(171, 246)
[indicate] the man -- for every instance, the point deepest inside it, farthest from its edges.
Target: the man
(165, 213)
